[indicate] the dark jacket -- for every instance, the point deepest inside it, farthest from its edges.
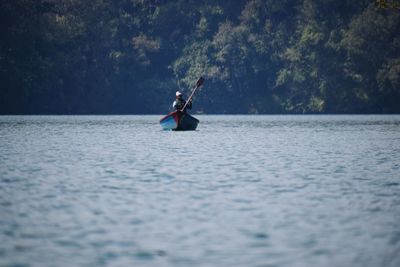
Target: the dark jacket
(179, 103)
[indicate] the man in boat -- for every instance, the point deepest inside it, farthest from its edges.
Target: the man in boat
(179, 102)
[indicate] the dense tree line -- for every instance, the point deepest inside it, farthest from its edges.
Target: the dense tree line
(258, 56)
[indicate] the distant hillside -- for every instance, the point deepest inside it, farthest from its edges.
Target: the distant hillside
(130, 56)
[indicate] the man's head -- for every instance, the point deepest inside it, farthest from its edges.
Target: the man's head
(178, 94)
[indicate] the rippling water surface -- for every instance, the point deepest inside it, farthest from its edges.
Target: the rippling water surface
(240, 191)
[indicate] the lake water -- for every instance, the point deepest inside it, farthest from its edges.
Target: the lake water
(239, 191)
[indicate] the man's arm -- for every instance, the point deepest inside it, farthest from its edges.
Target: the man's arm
(189, 104)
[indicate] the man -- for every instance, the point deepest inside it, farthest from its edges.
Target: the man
(179, 102)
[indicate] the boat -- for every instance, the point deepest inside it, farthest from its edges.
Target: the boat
(179, 121)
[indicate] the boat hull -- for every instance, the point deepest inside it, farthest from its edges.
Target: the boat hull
(179, 121)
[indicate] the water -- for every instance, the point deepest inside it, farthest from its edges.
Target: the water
(240, 191)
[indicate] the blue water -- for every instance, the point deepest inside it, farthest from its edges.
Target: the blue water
(239, 191)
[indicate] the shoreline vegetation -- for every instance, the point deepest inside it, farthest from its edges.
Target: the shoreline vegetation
(258, 56)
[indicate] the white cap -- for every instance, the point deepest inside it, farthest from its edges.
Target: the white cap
(178, 93)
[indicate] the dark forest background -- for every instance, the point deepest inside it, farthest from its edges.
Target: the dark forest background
(258, 56)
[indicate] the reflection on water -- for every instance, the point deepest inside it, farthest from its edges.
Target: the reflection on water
(239, 191)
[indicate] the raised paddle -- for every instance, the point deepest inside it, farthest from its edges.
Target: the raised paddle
(199, 83)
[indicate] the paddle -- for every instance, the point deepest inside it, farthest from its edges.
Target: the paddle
(199, 83)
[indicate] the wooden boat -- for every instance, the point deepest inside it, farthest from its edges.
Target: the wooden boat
(179, 121)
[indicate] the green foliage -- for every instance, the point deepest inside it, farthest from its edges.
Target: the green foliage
(258, 56)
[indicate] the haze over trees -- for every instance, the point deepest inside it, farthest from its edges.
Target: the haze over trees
(258, 56)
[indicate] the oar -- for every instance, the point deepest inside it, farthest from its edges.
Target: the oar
(199, 83)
